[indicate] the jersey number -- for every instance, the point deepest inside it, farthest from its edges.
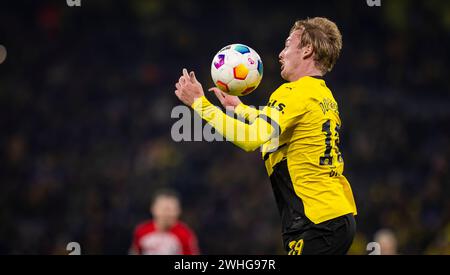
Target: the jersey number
(327, 158)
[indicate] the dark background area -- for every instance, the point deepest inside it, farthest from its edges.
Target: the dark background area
(86, 95)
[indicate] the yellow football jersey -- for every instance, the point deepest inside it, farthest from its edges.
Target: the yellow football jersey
(299, 146)
(309, 146)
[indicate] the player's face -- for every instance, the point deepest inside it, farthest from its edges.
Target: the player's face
(291, 56)
(388, 246)
(166, 211)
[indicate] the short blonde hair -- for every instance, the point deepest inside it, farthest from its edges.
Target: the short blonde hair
(324, 37)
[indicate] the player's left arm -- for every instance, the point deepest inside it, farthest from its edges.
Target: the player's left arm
(234, 104)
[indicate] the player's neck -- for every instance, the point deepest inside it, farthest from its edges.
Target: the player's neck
(307, 71)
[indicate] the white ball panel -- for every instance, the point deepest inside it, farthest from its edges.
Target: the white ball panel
(251, 61)
(253, 78)
(232, 58)
(215, 74)
(225, 74)
(237, 86)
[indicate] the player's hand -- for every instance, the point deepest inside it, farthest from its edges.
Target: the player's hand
(230, 102)
(188, 88)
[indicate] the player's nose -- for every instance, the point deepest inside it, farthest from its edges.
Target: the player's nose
(280, 56)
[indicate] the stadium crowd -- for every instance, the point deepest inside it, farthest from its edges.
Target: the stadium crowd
(86, 96)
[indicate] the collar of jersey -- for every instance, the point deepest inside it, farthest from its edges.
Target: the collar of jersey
(316, 77)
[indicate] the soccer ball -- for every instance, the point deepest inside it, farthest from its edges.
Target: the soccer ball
(237, 70)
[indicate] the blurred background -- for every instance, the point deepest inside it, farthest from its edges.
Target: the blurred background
(86, 95)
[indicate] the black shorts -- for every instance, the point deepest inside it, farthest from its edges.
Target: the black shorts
(333, 237)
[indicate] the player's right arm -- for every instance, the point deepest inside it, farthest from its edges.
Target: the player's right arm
(233, 103)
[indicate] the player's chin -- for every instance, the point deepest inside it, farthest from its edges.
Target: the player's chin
(283, 74)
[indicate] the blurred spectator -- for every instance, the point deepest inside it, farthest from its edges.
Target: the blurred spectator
(165, 234)
(387, 241)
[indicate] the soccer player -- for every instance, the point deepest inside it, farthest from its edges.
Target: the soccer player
(165, 234)
(305, 167)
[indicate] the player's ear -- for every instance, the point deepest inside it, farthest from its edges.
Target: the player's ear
(307, 51)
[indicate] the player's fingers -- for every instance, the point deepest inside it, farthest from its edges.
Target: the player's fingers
(193, 78)
(185, 74)
(182, 80)
(218, 93)
(179, 94)
(178, 86)
(212, 89)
